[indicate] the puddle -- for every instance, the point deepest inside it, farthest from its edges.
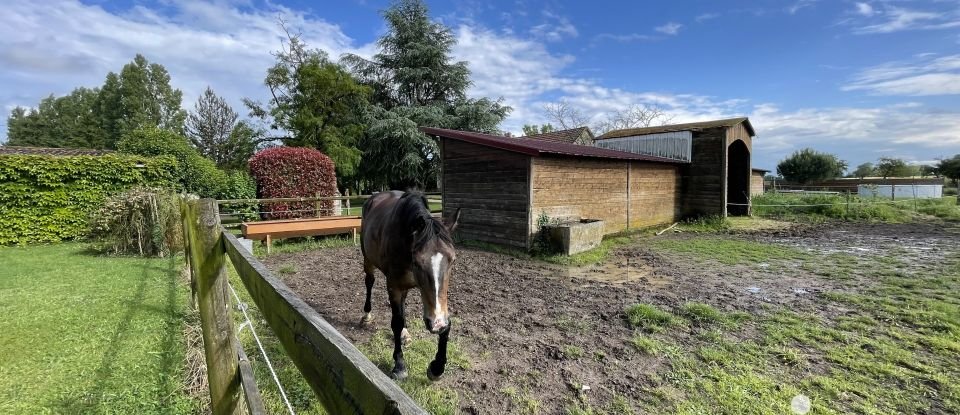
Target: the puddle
(617, 272)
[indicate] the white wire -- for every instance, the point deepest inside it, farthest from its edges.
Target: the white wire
(249, 323)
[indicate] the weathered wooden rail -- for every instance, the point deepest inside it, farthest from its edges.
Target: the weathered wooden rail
(344, 380)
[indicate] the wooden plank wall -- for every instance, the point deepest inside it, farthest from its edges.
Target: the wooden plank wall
(704, 190)
(492, 186)
(654, 194)
(756, 183)
(566, 187)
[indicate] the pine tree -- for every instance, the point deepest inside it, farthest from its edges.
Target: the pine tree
(415, 82)
(214, 130)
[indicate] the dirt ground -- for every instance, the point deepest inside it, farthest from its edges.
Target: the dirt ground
(519, 320)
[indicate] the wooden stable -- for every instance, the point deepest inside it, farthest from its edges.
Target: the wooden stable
(506, 185)
(291, 228)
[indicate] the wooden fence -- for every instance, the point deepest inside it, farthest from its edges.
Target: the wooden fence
(316, 211)
(344, 380)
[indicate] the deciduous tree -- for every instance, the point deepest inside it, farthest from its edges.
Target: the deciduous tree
(533, 129)
(865, 170)
(317, 102)
(140, 96)
(892, 167)
(808, 165)
(67, 121)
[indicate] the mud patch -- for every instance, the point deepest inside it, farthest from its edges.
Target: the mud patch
(543, 332)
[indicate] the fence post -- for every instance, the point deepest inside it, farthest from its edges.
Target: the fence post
(213, 300)
(317, 204)
(848, 204)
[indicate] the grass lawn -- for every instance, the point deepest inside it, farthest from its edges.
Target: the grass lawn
(90, 334)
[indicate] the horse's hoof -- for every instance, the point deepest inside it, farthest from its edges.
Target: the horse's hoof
(430, 373)
(398, 374)
(405, 337)
(366, 320)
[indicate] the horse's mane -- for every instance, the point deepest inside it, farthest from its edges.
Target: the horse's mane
(413, 208)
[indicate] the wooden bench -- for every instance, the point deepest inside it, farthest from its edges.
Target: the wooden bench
(291, 228)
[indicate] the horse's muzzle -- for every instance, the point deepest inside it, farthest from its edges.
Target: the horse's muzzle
(437, 325)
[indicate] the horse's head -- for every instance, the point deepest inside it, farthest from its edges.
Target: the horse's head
(433, 259)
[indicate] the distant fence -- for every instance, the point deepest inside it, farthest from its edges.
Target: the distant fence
(235, 211)
(343, 379)
(850, 185)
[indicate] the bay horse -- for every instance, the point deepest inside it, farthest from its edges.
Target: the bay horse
(412, 249)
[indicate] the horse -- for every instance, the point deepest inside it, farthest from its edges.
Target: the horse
(412, 249)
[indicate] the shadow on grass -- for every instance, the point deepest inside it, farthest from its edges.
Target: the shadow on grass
(90, 400)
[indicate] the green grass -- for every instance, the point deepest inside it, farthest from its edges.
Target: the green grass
(863, 209)
(728, 251)
(593, 256)
(90, 334)
(701, 314)
(649, 317)
(293, 245)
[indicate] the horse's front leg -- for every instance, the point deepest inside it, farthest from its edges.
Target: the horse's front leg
(397, 323)
(435, 370)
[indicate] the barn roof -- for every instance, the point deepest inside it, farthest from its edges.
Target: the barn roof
(538, 148)
(48, 151)
(760, 170)
(565, 136)
(729, 122)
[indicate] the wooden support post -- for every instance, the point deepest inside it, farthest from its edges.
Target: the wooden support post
(319, 204)
(269, 242)
(348, 202)
(354, 230)
(213, 300)
(251, 393)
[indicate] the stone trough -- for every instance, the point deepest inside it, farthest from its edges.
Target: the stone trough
(577, 236)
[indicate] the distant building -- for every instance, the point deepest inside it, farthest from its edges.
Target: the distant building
(756, 181)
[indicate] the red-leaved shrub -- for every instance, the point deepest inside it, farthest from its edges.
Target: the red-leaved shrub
(283, 172)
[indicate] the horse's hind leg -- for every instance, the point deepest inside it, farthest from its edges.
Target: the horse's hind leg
(368, 281)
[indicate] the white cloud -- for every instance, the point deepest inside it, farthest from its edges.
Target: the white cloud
(895, 19)
(911, 132)
(706, 16)
(622, 37)
(670, 28)
(556, 28)
(53, 47)
(924, 75)
(800, 5)
(864, 9)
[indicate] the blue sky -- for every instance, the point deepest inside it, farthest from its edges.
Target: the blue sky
(862, 79)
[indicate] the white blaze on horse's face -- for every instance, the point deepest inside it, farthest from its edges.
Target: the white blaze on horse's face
(439, 320)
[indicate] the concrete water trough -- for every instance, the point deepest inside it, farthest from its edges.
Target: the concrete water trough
(576, 236)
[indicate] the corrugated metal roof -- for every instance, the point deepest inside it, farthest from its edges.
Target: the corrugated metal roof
(729, 122)
(49, 151)
(538, 148)
(565, 136)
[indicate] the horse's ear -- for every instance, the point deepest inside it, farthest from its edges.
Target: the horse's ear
(452, 224)
(419, 224)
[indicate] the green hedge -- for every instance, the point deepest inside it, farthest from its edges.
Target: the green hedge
(49, 199)
(196, 174)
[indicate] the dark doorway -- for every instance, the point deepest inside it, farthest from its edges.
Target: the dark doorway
(738, 179)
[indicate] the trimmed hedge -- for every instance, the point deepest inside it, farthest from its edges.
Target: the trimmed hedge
(49, 199)
(293, 172)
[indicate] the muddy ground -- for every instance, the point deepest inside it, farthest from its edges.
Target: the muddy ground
(516, 319)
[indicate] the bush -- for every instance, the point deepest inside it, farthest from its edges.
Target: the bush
(240, 185)
(197, 174)
(48, 199)
(141, 221)
(293, 172)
